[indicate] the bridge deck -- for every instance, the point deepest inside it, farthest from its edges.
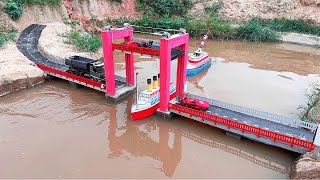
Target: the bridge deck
(250, 126)
(28, 45)
(262, 123)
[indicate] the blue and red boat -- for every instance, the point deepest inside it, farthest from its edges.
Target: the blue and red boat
(198, 60)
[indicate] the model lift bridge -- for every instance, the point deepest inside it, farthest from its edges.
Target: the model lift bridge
(292, 134)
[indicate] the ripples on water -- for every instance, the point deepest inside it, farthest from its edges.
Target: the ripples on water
(54, 131)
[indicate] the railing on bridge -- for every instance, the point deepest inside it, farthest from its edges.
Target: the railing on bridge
(293, 141)
(260, 114)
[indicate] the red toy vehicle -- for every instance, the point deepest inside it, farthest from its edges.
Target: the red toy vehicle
(195, 103)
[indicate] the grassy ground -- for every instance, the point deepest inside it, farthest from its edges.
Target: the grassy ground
(6, 35)
(87, 42)
(43, 2)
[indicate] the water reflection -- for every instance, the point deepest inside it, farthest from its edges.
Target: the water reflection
(135, 137)
(157, 139)
(195, 79)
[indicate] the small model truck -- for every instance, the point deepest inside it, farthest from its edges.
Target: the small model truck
(195, 103)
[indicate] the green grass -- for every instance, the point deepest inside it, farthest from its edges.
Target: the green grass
(6, 36)
(42, 2)
(71, 22)
(213, 26)
(286, 25)
(15, 7)
(214, 8)
(85, 42)
(164, 8)
(255, 31)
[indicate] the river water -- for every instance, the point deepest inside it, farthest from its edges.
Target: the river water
(56, 131)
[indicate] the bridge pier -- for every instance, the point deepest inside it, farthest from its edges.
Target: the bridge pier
(315, 152)
(164, 115)
(316, 142)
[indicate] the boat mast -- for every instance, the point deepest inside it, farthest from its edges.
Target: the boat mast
(137, 90)
(201, 45)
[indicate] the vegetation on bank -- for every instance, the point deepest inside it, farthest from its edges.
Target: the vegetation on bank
(42, 2)
(87, 42)
(309, 111)
(287, 25)
(172, 14)
(15, 7)
(7, 35)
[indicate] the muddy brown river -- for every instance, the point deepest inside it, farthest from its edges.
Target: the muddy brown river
(56, 131)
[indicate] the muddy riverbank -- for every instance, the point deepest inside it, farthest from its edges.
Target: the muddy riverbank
(306, 168)
(16, 71)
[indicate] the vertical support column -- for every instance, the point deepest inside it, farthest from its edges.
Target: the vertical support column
(129, 62)
(165, 60)
(315, 153)
(108, 62)
(316, 142)
(182, 67)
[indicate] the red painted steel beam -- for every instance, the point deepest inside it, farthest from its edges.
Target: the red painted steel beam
(244, 127)
(141, 50)
(71, 76)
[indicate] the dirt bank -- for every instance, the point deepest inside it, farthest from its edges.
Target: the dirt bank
(303, 39)
(244, 10)
(103, 8)
(52, 43)
(85, 8)
(16, 71)
(306, 168)
(35, 14)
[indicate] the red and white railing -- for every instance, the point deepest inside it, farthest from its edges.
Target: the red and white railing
(244, 128)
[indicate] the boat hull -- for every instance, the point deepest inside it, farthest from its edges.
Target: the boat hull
(149, 111)
(194, 71)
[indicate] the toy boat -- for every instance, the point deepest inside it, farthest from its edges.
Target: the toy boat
(148, 100)
(199, 60)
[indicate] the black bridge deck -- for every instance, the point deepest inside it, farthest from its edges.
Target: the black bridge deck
(28, 45)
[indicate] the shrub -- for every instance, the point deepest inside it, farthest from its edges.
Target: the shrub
(213, 26)
(214, 8)
(6, 36)
(299, 26)
(71, 22)
(14, 9)
(164, 8)
(254, 31)
(86, 42)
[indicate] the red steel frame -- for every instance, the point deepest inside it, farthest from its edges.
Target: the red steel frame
(166, 44)
(244, 127)
(107, 45)
(71, 76)
(140, 50)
